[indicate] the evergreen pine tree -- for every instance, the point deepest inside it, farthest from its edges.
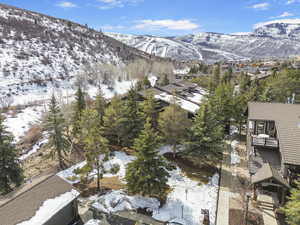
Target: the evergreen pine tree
(150, 109)
(55, 126)
(132, 121)
(221, 104)
(165, 80)
(79, 106)
(146, 82)
(113, 121)
(206, 136)
(10, 170)
(95, 145)
(292, 207)
(100, 105)
(217, 75)
(244, 83)
(227, 77)
(147, 174)
(215, 79)
(173, 124)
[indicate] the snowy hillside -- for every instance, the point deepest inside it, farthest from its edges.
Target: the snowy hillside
(39, 53)
(288, 28)
(159, 46)
(279, 38)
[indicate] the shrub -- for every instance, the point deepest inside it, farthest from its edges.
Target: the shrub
(115, 169)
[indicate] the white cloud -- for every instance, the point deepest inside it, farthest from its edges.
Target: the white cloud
(283, 15)
(261, 6)
(110, 4)
(66, 5)
(166, 24)
(292, 1)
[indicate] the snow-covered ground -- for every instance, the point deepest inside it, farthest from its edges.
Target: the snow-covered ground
(184, 202)
(93, 222)
(185, 193)
(119, 158)
(21, 122)
(34, 149)
(66, 90)
(190, 196)
(51, 207)
(235, 158)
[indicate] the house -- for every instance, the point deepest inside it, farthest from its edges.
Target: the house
(53, 201)
(183, 93)
(273, 145)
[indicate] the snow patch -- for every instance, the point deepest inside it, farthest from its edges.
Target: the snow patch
(50, 207)
(186, 105)
(93, 222)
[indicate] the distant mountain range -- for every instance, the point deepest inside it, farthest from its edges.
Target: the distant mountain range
(275, 39)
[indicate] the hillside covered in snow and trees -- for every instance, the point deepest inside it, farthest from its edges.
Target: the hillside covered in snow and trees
(39, 53)
(140, 128)
(275, 39)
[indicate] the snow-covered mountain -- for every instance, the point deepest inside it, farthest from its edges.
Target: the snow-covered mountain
(39, 49)
(279, 38)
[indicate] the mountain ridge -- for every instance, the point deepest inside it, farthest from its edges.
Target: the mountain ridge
(278, 40)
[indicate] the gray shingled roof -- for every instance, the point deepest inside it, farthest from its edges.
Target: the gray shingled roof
(24, 206)
(153, 91)
(267, 172)
(287, 121)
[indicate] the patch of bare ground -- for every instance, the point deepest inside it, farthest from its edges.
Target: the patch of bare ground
(236, 217)
(31, 137)
(41, 162)
(106, 184)
(192, 168)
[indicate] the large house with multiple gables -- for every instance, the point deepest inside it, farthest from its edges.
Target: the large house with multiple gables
(273, 144)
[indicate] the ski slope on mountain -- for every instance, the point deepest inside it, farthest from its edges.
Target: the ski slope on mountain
(274, 39)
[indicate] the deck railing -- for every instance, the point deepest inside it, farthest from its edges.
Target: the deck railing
(264, 142)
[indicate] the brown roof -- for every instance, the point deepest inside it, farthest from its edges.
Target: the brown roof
(24, 206)
(267, 172)
(287, 121)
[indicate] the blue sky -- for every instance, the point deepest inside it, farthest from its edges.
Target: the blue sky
(166, 17)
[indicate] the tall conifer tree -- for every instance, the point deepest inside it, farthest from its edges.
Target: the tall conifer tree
(150, 110)
(173, 124)
(79, 106)
(147, 174)
(11, 174)
(292, 207)
(206, 136)
(56, 128)
(95, 145)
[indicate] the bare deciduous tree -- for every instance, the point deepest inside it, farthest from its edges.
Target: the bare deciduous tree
(162, 68)
(138, 69)
(6, 102)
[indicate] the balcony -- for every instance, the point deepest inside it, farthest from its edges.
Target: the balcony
(261, 141)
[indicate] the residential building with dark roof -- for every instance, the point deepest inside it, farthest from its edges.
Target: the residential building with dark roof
(273, 144)
(53, 201)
